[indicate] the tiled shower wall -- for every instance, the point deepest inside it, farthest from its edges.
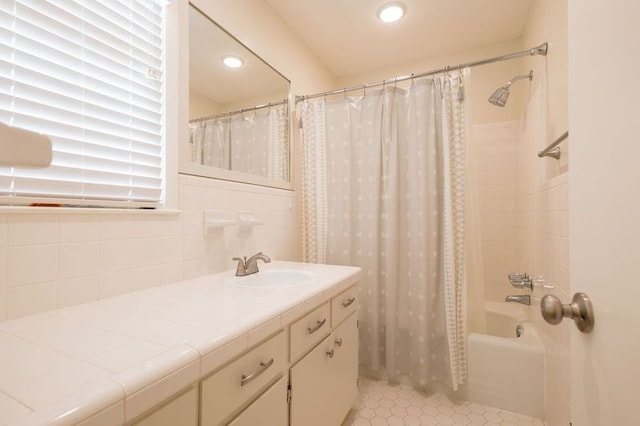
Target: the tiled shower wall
(50, 260)
(524, 227)
(494, 154)
(551, 259)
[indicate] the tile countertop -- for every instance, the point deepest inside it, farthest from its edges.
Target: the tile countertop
(107, 362)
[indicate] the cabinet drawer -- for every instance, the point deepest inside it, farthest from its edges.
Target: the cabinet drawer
(271, 409)
(309, 330)
(234, 385)
(343, 305)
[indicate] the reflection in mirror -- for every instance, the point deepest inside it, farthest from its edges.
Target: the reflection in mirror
(238, 116)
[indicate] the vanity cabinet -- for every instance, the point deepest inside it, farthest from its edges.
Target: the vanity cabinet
(303, 375)
(182, 410)
(324, 382)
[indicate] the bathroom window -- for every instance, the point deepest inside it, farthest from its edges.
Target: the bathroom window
(89, 74)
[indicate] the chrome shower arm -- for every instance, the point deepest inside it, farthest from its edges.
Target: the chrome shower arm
(521, 77)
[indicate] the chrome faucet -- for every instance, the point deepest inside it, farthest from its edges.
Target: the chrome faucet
(525, 299)
(249, 266)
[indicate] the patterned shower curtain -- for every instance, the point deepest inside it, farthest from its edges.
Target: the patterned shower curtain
(382, 187)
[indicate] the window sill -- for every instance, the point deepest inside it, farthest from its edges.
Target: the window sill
(87, 210)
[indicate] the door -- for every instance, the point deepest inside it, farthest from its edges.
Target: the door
(604, 188)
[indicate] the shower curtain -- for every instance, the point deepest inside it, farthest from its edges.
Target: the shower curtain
(383, 188)
(251, 142)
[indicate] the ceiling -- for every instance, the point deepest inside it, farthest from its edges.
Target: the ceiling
(348, 38)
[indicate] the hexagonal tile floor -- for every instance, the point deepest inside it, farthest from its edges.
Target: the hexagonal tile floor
(382, 404)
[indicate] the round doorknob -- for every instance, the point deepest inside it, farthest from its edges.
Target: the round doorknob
(580, 310)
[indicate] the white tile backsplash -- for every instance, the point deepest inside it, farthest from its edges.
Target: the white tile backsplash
(79, 259)
(73, 291)
(31, 299)
(33, 230)
(79, 228)
(32, 264)
(50, 260)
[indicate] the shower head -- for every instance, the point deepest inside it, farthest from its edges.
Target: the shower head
(500, 96)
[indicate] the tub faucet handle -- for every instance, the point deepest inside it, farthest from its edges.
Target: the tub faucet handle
(520, 280)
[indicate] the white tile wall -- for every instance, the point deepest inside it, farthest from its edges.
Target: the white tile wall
(494, 151)
(50, 260)
(551, 260)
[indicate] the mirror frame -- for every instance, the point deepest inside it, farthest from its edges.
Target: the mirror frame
(187, 167)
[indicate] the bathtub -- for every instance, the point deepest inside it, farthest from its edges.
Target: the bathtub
(506, 371)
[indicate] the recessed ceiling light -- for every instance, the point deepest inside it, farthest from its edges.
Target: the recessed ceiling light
(232, 61)
(391, 12)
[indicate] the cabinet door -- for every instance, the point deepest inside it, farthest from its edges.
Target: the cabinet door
(323, 383)
(271, 409)
(311, 388)
(182, 410)
(344, 368)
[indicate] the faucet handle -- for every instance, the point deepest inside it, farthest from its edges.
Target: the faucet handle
(241, 270)
(517, 276)
(520, 280)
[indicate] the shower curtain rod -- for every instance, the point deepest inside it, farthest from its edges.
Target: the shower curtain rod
(538, 50)
(240, 111)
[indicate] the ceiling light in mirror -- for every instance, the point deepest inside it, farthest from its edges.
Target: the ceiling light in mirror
(391, 12)
(232, 61)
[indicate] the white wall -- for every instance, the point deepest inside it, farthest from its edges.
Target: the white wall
(53, 259)
(200, 106)
(604, 208)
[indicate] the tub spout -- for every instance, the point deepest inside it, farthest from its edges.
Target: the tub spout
(524, 299)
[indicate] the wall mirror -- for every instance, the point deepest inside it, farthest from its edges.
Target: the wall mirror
(238, 115)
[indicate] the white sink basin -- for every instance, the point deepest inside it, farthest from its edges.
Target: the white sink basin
(272, 278)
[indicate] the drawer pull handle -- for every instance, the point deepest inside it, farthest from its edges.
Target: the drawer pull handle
(339, 342)
(330, 353)
(348, 302)
(263, 367)
(317, 327)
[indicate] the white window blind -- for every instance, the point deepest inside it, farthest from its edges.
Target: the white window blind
(88, 73)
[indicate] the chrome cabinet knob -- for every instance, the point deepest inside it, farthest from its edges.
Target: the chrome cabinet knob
(580, 310)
